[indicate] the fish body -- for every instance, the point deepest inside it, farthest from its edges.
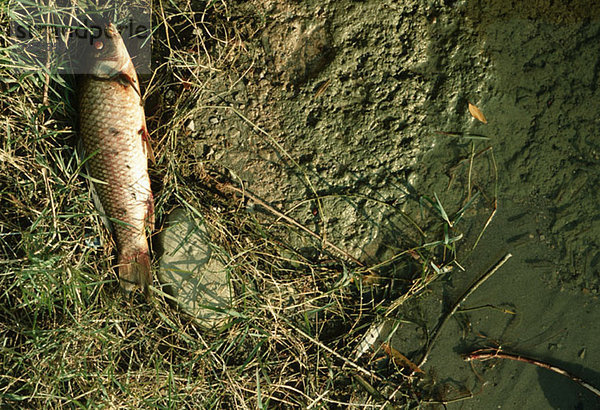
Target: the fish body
(115, 141)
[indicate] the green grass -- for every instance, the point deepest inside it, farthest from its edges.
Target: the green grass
(68, 338)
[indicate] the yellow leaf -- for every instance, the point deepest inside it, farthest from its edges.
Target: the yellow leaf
(399, 359)
(476, 113)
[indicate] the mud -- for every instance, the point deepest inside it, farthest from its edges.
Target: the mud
(350, 100)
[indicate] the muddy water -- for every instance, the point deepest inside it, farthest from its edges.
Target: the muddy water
(540, 95)
(370, 98)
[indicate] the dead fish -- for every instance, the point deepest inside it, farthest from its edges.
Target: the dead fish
(115, 141)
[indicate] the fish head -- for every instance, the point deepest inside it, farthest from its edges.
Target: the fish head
(109, 56)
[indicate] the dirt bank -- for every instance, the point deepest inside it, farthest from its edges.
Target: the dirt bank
(364, 105)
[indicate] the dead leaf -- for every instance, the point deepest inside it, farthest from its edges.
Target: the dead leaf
(399, 358)
(476, 113)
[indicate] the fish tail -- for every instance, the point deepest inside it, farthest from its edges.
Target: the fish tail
(134, 271)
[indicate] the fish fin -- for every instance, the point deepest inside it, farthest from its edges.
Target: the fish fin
(150, 212)
(150, 152)
(146, 143)
(128, 77)
(135, 271)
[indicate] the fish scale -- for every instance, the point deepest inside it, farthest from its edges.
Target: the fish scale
(114, 136)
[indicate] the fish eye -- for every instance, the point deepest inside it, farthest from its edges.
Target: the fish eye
(98, 45)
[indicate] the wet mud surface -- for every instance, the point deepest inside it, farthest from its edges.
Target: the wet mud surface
(364, 104)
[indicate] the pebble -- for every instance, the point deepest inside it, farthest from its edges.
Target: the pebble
(192, 271)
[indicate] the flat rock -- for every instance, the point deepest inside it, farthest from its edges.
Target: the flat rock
(192, 271)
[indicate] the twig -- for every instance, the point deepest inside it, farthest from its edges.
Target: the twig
(464, 296)
(487, 354)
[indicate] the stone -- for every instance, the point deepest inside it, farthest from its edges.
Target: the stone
(193, 271)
